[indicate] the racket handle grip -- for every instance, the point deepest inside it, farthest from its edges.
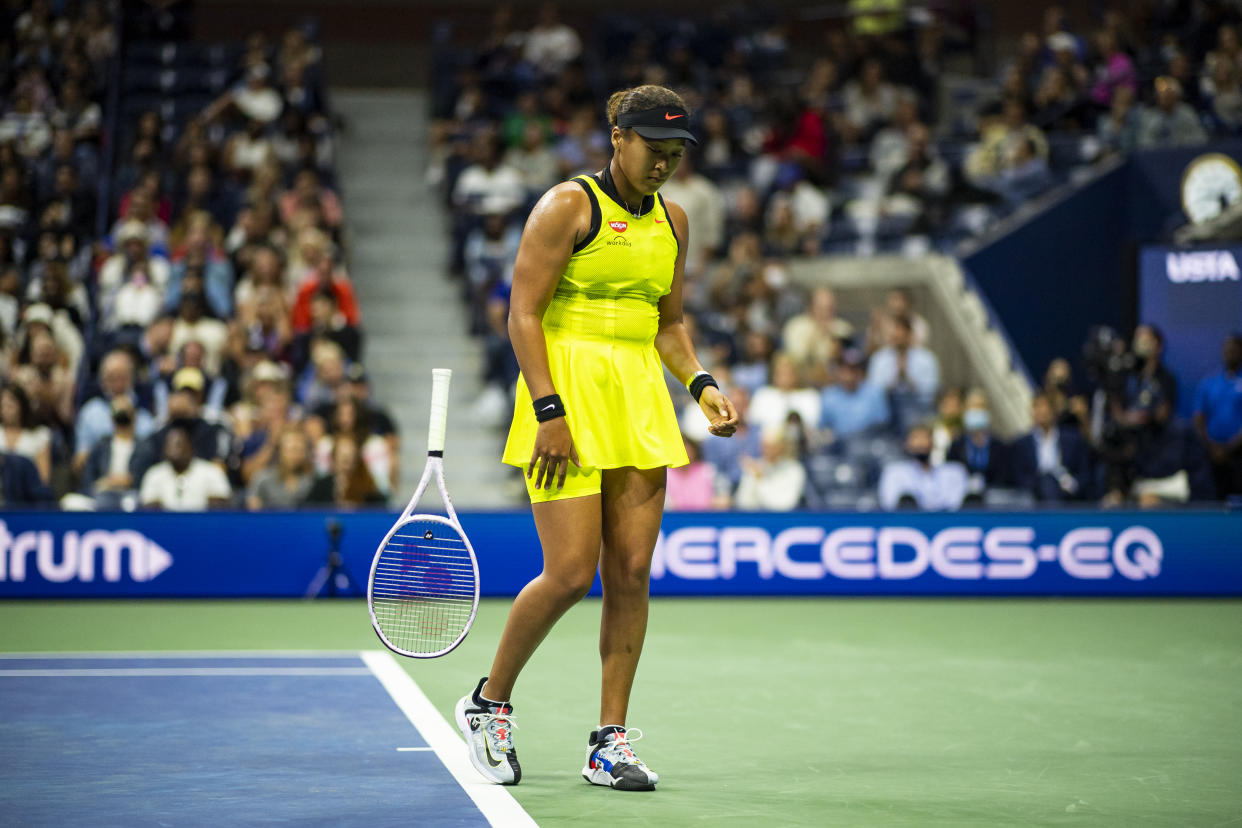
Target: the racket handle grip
(440, 378)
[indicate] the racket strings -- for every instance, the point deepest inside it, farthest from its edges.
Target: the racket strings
(423, 589)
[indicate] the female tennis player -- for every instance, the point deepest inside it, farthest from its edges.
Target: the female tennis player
(595, 310)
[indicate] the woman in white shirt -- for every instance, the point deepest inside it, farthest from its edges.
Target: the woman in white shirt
(19, 433)
(784, 394)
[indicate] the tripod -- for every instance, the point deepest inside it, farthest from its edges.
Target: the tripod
(333, 576)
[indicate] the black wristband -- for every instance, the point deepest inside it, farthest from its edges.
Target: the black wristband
(701, 380)
(549, 408)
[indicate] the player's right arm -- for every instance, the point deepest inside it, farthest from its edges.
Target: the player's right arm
(560, 219)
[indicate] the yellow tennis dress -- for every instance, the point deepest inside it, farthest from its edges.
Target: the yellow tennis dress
(600, 329)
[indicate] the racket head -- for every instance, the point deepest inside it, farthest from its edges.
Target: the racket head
(423, 591)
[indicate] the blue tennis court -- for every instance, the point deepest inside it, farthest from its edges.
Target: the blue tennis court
(229, 739)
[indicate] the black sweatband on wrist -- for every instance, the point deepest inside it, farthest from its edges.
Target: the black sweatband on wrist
(549, 408)
(701, 380)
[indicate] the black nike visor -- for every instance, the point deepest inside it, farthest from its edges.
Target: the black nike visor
(658, 124)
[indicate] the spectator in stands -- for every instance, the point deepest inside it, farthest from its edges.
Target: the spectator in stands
(193, 325)
(775, 481)
(984, 455)
(307, 190)
(142, 209)
(47, 374)
(20, 483)
(489, 253)
(785, 394)
(202, 262)
(350, 419)
(1118, 128)
(1170, 465)
(264, 326)
(914, 483)
(97, 417)
(1051, 462)
(349, 483)
(105, 473)
(533, 160)
(20, 434)
(286, 483)
(26, 126)
(812, 339)
(1150, 379)
(208, 441)
(1114, 72)
(265, 413)
(1224, 96)
(317, 272)
(488, 184)
(319, 384)
(132, 281)
(1170, 123)
(1006, 144)
(870, 102)
(918, 189)
(909, 373)
(692, 488)
(550, 44)
(1218, 418)
(327, 323)
(898, 303)
(947, 424)
(182, 482)
(852, 406)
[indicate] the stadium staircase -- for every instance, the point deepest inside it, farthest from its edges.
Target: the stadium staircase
(413, 315)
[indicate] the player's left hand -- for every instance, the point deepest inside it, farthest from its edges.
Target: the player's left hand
(721, 415)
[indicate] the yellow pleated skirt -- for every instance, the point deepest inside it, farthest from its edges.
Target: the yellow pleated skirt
(604, 365)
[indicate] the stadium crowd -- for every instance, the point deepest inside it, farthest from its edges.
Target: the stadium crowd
(178, 326)
(849, 137)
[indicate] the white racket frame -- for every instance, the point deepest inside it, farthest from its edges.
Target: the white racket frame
(440, 379)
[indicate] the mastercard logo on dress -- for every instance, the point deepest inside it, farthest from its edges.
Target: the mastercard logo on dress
(619, 226)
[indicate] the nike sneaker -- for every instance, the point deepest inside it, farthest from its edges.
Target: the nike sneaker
(611, 761)
(488, 728)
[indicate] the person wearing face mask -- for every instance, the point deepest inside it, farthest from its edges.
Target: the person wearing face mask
(1149, 381)
(105, 475)
(914, 483)
(984, 455)
(182, 482)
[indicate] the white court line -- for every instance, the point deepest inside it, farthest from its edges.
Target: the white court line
(412, 750)
(185, 671)
(258, 654)
(494, 801)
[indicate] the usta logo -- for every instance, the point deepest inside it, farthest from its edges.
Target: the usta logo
(79, 554)
(1201, 266)
(705, 553)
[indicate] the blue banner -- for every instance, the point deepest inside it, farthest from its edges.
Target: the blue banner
(222, 554)
(1194, 295)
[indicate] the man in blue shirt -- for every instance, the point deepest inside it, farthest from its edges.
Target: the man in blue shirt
(852, 406)
(1218, 419)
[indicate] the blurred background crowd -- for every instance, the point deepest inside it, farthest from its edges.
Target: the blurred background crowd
(178, 325)
(178, 328)
(854, 144)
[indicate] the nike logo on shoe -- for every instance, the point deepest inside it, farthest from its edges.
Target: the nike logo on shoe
(494, 762)
(669, 117)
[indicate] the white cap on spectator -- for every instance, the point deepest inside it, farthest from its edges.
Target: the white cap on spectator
(268, 371)
(130, 230)
(1061, 42)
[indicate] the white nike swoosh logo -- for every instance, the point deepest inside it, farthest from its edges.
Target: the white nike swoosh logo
(549, 407)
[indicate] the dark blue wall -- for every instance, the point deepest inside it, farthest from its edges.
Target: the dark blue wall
(1074, 265)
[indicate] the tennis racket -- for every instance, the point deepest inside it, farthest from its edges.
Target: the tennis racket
(423, 592)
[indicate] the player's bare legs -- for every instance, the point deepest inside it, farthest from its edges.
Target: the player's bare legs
(569, 531)
(633, 503)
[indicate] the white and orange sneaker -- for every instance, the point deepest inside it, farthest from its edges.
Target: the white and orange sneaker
(610, 761)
